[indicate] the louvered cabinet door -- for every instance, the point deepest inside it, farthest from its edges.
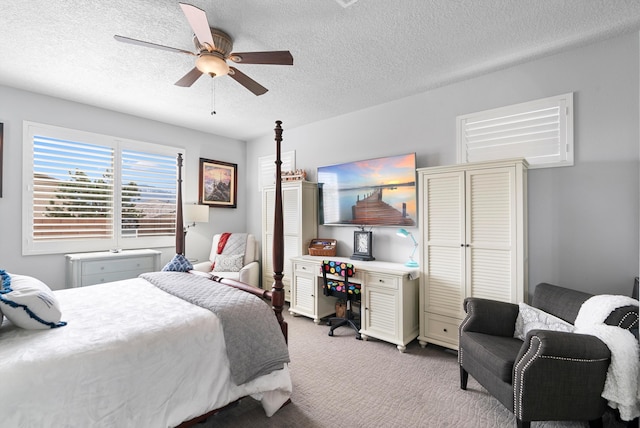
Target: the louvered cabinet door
(491, 234)
(443, 236)
(300, 224)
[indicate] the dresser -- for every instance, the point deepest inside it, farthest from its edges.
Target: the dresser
(389, 301)
(473, 233)
(95, 268)
(300, 226)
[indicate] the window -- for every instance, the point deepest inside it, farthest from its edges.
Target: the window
(91, 192)
(540, 131)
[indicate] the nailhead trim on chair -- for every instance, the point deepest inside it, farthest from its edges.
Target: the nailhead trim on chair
(628, 314)
(577, 360)
(462, 324)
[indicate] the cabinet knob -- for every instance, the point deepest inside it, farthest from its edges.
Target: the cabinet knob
(444, 329)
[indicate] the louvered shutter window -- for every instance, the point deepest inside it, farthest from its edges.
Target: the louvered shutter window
(91, 192)
(540, 131)
(148, 196)
(72, 190)
(267, 167)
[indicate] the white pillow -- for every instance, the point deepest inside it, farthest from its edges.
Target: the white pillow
(28, 303)
(226, 263)
(530, 318)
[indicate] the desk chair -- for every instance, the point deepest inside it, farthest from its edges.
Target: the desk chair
(342, 289)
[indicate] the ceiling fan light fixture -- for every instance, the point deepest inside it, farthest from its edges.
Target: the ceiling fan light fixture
(212, 64)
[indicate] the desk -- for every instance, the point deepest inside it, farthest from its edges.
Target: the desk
(389, 306)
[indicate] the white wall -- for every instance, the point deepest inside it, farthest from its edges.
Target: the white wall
(583, 220)
(17, 105)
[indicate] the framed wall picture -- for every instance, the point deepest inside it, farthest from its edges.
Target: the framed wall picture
(218, 183)
(362, 245)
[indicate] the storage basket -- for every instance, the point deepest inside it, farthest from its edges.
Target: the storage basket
(322, 247)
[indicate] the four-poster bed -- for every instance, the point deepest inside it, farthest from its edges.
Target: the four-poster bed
(157, 350)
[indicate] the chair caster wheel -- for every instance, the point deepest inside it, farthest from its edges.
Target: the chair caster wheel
(330, 333)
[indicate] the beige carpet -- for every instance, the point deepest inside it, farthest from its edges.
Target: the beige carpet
(343, 382)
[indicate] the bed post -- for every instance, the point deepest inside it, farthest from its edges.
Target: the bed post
(179, 223)
(277, 296)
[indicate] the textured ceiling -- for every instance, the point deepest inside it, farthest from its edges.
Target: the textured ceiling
(345, 58)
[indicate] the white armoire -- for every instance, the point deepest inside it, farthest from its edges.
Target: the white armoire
(300, 226)
(473, 229)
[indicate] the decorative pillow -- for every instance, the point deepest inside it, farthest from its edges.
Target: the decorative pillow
(178, 263)
(530, 318)
(226, 263)
(28, 303)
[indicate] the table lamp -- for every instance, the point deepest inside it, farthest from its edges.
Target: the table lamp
(405, 233)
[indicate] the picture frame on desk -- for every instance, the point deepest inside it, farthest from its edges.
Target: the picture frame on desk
(362, 245)
(218, 183)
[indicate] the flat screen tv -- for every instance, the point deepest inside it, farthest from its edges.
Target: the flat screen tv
(373, 192)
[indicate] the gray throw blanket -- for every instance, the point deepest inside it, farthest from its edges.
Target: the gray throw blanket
(255, 344)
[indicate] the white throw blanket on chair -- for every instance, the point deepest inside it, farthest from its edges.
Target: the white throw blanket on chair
(621, 388)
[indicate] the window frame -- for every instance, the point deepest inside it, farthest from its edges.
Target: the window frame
(35, 247)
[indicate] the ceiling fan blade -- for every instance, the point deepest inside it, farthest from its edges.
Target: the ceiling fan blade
(269, 57)
(150, 45)
(189, 78)
(246, 81)
(198, 20)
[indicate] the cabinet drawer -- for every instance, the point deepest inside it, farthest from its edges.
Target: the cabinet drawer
(101, 278)
(306, 268)
(382, 280)
(142, 264)
(442, 328)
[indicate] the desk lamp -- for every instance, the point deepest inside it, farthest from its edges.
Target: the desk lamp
(405, 233)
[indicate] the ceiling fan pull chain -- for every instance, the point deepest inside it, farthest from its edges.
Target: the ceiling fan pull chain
(213, 96)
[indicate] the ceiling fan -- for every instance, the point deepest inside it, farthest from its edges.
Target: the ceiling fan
(214, 48)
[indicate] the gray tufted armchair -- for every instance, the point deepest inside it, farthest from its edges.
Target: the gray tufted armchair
(551, 375)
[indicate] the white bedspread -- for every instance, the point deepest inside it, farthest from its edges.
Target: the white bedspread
(131, 355)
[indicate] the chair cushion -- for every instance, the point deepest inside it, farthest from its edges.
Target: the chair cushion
(338, 287)
(251, 249)
(496, 353)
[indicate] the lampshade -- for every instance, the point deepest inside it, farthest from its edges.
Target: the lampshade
(212, 63)
(194, 213)
(402, 232)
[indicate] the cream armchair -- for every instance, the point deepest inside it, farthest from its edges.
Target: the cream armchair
(249, 273)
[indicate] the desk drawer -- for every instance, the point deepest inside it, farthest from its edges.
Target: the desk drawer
(141, 264)
(382, 280)
(306, 268)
